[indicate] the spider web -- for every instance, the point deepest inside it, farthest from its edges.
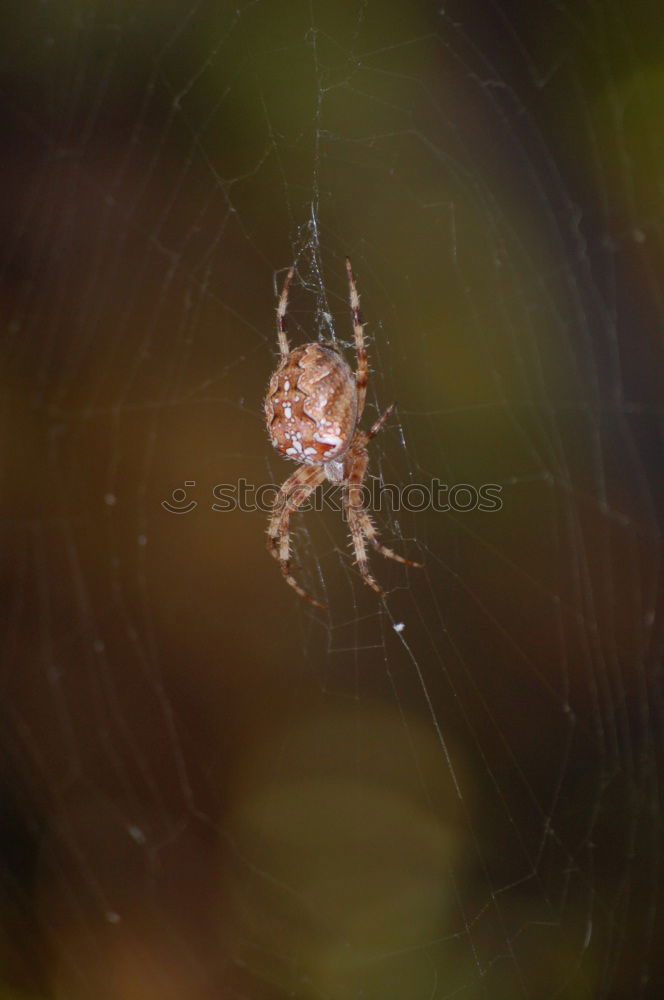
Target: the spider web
(210, 787)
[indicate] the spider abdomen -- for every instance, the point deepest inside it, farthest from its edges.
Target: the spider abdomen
(311, 405)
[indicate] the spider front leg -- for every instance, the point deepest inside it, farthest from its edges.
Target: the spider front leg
(290, 497)
(356, 467)
(359, 521)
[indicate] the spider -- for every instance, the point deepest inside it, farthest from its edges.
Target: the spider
(313, 406)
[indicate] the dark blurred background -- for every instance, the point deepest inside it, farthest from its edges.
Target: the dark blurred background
(210, 788)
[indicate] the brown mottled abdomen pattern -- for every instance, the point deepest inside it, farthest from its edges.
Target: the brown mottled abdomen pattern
(311, 405)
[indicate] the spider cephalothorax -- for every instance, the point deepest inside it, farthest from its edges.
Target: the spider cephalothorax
(313, 405)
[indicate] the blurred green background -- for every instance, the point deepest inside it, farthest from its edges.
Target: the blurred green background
(210, 788)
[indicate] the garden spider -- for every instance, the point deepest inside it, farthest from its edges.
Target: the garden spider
(313, 406)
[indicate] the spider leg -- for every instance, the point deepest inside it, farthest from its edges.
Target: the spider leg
(290, 497)
(369, 531)
(362, 372)
(367, 524)
(356, 465)
(359, 521)
(281, 314)
(378, 426)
